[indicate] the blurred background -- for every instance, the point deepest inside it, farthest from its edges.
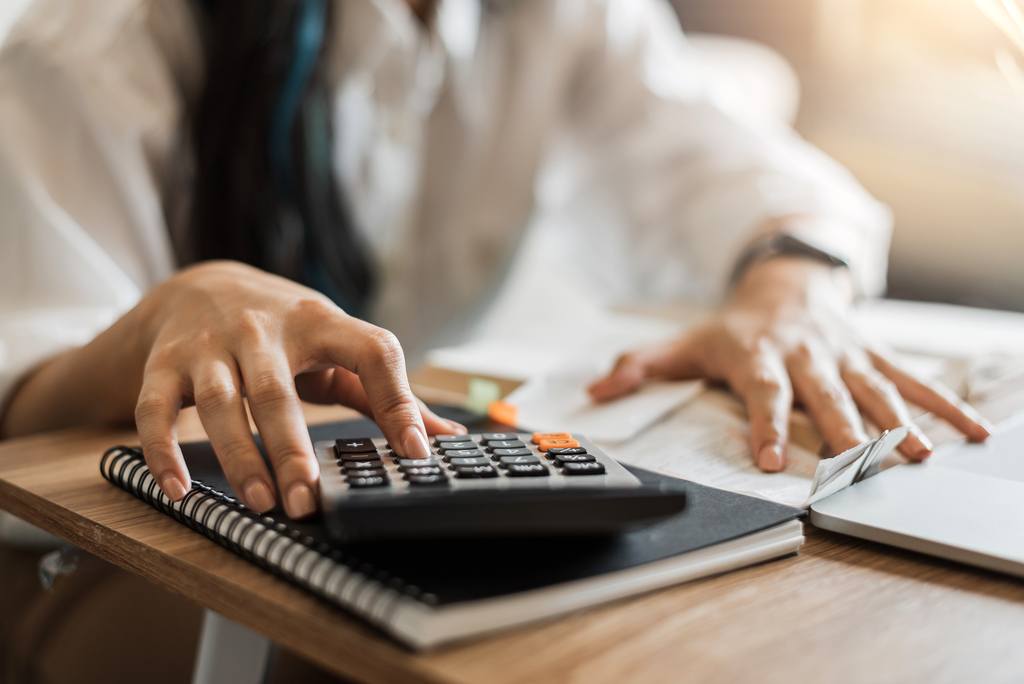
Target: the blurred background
(905, 93)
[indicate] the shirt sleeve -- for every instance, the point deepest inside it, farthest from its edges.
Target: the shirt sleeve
(672, 183)
(91, 101)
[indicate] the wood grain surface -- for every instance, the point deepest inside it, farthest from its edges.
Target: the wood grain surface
(841, 611)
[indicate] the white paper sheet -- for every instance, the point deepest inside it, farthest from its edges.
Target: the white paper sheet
(559, 403)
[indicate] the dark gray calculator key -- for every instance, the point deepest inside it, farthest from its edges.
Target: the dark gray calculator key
(367, 482)
(422, 470)
(473, 461)
(357, 445)
(498, 453)
(440, 439)
(498, 436)
(520, 460)
(506, 444)
(361, 465)
(416, 462)
(372, 472)
(354, 458)
(566, 451)
(562, 459)
(448, 446)
(473, 472)
(528, 470)
(590, 468)
(462, 453)
(427, 480)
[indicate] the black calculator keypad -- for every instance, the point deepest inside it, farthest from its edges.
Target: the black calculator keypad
(458, 460)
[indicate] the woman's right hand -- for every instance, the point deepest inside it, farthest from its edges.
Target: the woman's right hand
(222, 331)
(222, 335)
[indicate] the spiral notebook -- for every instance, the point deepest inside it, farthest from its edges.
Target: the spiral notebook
(427, 593)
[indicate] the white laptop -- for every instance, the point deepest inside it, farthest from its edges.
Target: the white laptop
(965, 503)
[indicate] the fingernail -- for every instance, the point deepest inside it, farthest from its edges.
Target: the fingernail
(984, 431)
(172, 487)
(258, 496)
(414, 444)
(926, 444)
(300, 502)
(457, 428)
(770, 458)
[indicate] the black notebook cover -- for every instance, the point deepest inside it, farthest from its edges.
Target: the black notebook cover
(440, 573)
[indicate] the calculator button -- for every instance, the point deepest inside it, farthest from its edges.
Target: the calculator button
(506, 444)
(540, 436)
(355, 458)
(361, 465)
(583, 469)
(448, 446)
(528, 470)
(367, 482)
(427, 480)
(462, 453)
(546, 444)
(357, 445)
(416, 462)
(372, 472)
(441, 439)
(522, 460)
(498, 436)
(557, 451)
(479, 471)
(498, 453)
(476, 461)
(422, 470)
(562, 459)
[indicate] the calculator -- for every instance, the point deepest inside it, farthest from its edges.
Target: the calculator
(484, 484)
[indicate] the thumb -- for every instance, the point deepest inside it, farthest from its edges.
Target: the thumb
(669, 361)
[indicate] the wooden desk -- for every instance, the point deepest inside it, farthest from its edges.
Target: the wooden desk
(843, 611)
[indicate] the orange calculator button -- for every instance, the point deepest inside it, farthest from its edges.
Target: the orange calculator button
(546, 444)
(540, 436)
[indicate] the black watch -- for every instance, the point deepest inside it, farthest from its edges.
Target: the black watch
(781, 244)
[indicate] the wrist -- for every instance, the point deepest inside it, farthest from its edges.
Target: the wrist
(789, 280)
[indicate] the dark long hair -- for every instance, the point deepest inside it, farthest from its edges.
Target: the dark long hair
(265, 192)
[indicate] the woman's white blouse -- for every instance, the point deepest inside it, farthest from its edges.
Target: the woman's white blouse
(448, 143)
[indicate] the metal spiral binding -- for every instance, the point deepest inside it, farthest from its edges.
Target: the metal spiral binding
(324, 570)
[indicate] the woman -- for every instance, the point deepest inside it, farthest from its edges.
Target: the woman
(242, 187)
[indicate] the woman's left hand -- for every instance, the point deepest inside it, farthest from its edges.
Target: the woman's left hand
(786, 334)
